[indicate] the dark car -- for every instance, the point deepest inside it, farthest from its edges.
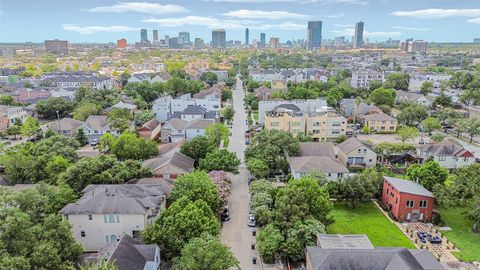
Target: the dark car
(225, 216)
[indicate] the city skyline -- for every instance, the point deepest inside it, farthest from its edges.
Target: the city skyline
(89, 21)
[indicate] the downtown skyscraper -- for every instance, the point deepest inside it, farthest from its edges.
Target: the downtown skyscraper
(143, 35)
(247, 36)
(219, 38)
(314, 35)
(357, 41)
(263, 40)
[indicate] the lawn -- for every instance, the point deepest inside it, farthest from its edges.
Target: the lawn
(367, 219)
(461, 234)
(255, 115)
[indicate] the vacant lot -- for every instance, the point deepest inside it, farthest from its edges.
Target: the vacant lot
(461, 234)
(367, 219)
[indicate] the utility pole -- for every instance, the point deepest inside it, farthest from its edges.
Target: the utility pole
(58, 122)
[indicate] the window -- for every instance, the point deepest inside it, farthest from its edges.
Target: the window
(441, 158)
(396, 201)
(82, 233)
(423, 204)
(365, 151)
(410, 203)
(391, 194)
(215, 106)
(359, 150)
(465, 159)
(274, 124)
(387, 190)
(295, 124)
(90, 217)
(111, 218)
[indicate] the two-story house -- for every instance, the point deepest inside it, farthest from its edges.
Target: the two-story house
(11, 114)
(354, 152)
(96, 125)
(380, 122)
(447, 153)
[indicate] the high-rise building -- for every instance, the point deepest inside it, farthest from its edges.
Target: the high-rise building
(314, 35)
(219, 38)
(476, 40)
(143, 35)
(155, 36)
(274, 42)
(263, 40)
(198, 44)
(183, 38)
(167, 38)
(247, 36)
(56, 46)
(414, 46)
(122, 43)
(357, 41)
(339, 41)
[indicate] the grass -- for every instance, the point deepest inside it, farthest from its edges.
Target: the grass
(255, 115)
(461, 234)
(367, 219)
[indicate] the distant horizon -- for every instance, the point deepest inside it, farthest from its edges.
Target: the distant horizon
(103, 22)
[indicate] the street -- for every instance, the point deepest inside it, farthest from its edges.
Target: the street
(235, 233)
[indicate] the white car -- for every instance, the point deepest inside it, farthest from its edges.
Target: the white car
(251, 221)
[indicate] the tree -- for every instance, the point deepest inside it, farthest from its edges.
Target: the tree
(262, 186)
(220, 160)
(205, 252)
(228, 114)
(30, 127)
(144, 90)
(223, 183)
(227, 94)
(426, 88)
(407, 133)
(195, 186)
(179, 223)
(48, 108)
(375, 84)
(399, 81)
(269, 242)
(303, 233)
(14, 131)
(129, 146)
(257, 167)
(81, 137)
(471, 126)
(412, 114)
(356, 189)
(198, 148)
(460, 187)
(101, 265)
(473, 214)
(209, 77)
(6, 100)
(84, 110)
(119, 119)
(430, 124)
(143, 117)
(428, 174)
(383, 96)
(217, 133)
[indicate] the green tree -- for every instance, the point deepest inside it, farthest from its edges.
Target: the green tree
(30, 127)
(430, 124)
(143, 117)
(48, 108)
(303, 233)
(101, 265)
(180, 223)
(428, 174)
(257, 167)
(209, 77)
(228, 114)
(473, 214)
(119, 119)
(198, 148)
(227, 94)
(412, 114)
(146, 91)
(14, 131)
(205, 252)
(407, 133)
(81, 137)
(220, 160)
(6, 100)
(383, 96)
(269, 241)
(84, 110)
(471, 126)
(195, 186)
(129, 146)
(217, 133)
(399, 81)
(55, 167)
(356, 189)
(426, 88)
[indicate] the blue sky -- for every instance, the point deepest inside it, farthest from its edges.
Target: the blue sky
(109, 20)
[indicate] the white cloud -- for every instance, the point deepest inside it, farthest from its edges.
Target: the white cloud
(355, 2)
(86, 30)
(475, 20)
(260, 14)
(143, 7)
(438, 13)
(334, 16)
(344, 25)
(415, 29)
(378, 34)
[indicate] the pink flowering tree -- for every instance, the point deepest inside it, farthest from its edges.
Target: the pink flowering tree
(223, 184)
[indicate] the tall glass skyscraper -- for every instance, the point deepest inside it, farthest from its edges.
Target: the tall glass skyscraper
(357, 41)
(263, 39)
(219, 38)
(143, 35)
(247, 36)
(314, 35)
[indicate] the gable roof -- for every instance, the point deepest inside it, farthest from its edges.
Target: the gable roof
(351, 144)
(311, 164)
(344, 241)
(117, 199)
(176, 123)
(200, 123)
(194, 110)
(407, 186)
(151, 125)
(309, 149)
(69, 124)
(123, 105)
(444, 148)
(176, 159)
(379, 117)
(97, 122)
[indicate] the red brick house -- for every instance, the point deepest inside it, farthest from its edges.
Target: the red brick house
(407, 200)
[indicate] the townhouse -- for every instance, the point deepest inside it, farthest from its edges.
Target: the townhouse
(380, 122)
(447, 153)
(164, 107)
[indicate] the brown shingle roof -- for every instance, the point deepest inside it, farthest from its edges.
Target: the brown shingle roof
(311, 164)
(309, 149)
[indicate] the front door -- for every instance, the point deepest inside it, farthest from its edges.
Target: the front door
(415, 216)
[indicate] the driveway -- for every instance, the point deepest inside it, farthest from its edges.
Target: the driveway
(235, 233)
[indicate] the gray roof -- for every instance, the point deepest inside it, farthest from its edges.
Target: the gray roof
(176, 159)
(176, 123)
(379, 117)
(344, 241)
(445, 148)
(68, 124)
(195, 110)
(288, 106)
(117, 199)
(312, 164)
(128, 253)
(372, 259)
(407, 186)
(123, 105)
(309, 149)
(97, 122)
(351, 144)
(200, 123)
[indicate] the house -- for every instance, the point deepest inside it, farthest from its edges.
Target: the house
(96, 126)
(354, 152)
(305, 105)
(348, 107)
(342, 252)
(105, 212)
(214, 92)
(403, 96)
(380, 122)
(170, 166)
(127, 253)
(197, 127)
(77, 79)
(317, 149)
(407, 200)
(262, 93)
(196, 112)
(447, 153)
(10, 114)
(278, 85)
(301, 166)
(173, 130)
(150, 130)
(149, 77)
(165, 107)
(123, 105)
(67, 126)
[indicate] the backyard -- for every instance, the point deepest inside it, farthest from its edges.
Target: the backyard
(367, 219)
(461, 234)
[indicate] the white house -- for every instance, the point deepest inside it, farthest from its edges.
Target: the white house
(302, 166)
(96, 125)
(447, 153)
(354, 152)
(197, 128)
(173, 130)
(105, 212)
(10, 114)
(403, 96)
(305, 105)
(164, 107)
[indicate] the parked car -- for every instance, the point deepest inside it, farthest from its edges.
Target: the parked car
(94, 142)
(225, 216)
(250, 179)
(247, 141)
(251, 221)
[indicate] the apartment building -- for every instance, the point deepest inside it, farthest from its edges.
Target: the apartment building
(380, 122)
(10, 114)
(164, 107)
(362, 78)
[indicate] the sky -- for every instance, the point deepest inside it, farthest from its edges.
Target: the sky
(109, 20)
